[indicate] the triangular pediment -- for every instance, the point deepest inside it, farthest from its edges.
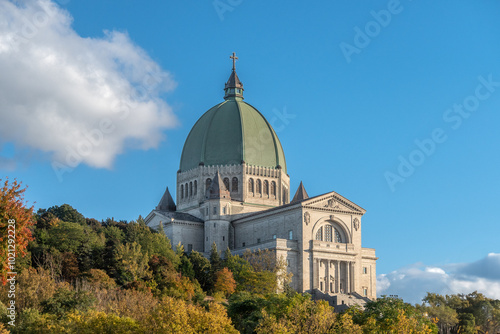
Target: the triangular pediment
(333, 202)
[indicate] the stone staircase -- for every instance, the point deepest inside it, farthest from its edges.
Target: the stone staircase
(342, 301)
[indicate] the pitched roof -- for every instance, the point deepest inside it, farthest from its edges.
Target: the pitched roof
(300, 194)
(233, 81)
(166, 203)
(217, 188)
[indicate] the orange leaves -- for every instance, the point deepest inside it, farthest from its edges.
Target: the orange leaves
(15, 222)
(225, 282)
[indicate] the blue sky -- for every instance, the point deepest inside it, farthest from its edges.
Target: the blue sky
(359, 93)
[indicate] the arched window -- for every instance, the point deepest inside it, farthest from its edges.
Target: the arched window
(195, 187)
(226, 183)
(331, 234)
(207, 184)
(273, 188)
(258, 188)
(234, 185)
(186, 193)
(190, 189)
(338, 238)
(182, 191)
(250, 185)
(266, 187)
(319, 234)
(328, 233)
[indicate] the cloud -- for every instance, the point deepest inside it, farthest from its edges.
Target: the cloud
(81, 100)
(413, 282)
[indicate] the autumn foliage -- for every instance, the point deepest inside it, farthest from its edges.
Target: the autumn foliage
(81, 275)
(225, 282)
(13, 208)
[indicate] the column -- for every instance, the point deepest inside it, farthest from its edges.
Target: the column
(337, 277)
(315, 274)
(347, 279)
(327, 273)
(353, 283)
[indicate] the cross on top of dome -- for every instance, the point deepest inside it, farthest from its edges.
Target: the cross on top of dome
(234, 58)
(234, 87)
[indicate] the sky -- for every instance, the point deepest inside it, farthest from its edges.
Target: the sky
(392, 104)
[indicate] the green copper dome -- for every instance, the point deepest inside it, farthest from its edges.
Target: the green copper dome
(230, 133)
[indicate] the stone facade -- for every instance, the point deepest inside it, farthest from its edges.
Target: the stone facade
(244, 206)
(319, 237)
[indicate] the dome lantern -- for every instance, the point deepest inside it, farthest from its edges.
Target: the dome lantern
(233, 87)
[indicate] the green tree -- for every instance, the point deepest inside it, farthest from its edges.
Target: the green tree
(202, 269)
(132, 264)
(114, 238)
(239, 267)
(66, 300)
(66, 213)
(186, 267)
(467, 324)
(392, 315)
(151, 241)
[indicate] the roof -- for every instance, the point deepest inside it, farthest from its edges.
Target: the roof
(300, 194)
(306, 203)
(230, 133)
(217, 188)
(177, 216)
(166, 203)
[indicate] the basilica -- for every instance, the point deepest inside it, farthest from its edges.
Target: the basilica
(233, 189)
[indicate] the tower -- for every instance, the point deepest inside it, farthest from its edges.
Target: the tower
(235, 140)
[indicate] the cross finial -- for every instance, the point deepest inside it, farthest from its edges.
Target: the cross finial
(234, 58)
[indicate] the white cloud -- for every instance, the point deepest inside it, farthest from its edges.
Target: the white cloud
(82, 100)
(413, 282)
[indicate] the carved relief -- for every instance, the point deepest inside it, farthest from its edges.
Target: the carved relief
(356, 223)
(332, 203)
(307, 218)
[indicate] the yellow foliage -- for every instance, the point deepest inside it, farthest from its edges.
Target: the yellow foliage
(33, 287)
(3, 330)
(405, 325)
(177, 316)
(99, 322)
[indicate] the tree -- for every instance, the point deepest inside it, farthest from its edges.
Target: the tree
(66, 213)
(201, 267)
(302, 316)
(66, 300)
(151, 242)
(33, 287)
(392, 315)
(269, 271)
(16, 222)
(239, 267)
(467, 324)
(99, 279)
(132, 264)
(186, 267)
(69, 268)
(224, 282)
(176, 316)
